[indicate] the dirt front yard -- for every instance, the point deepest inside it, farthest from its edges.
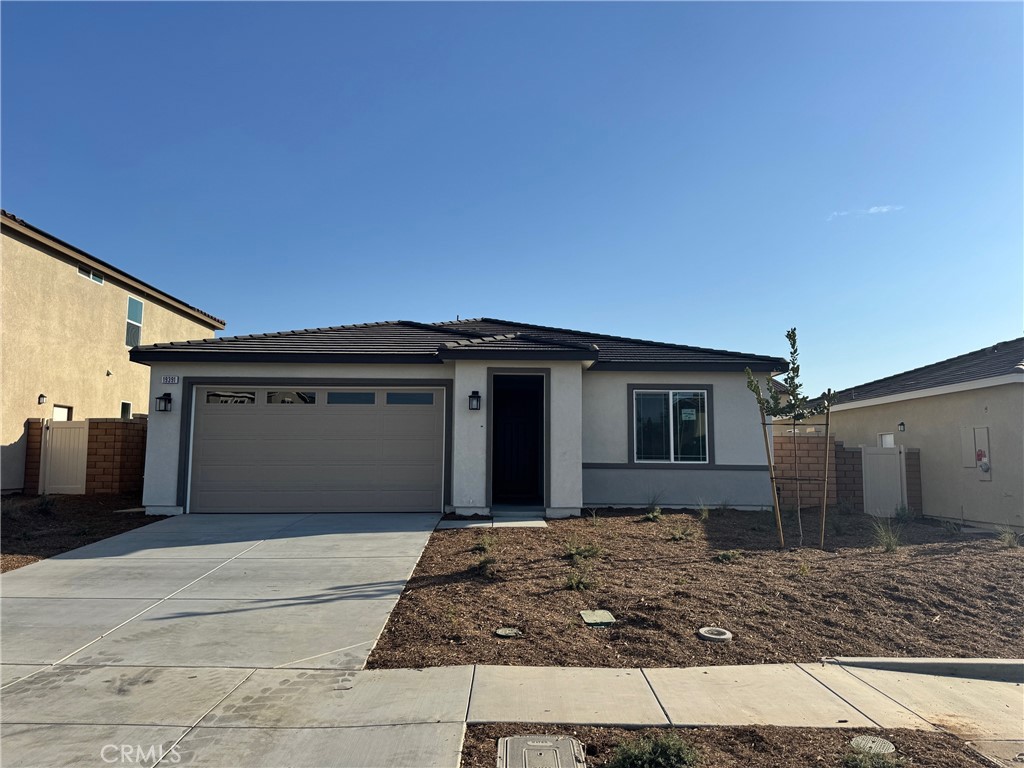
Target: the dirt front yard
(753, 747)
(939, 594)
(36, 527)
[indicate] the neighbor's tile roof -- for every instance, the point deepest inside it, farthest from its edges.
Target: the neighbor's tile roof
(482, 338)
(1000, 359)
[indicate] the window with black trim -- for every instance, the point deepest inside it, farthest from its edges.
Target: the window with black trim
(670, 426)
(133, 328)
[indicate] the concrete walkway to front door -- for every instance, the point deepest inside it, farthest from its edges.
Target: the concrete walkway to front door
(132, 641)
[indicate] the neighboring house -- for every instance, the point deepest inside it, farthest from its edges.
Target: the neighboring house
(68, 321)
(966, 415)
(467, 416)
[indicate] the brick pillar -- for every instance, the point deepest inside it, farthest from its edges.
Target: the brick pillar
(850, 475)
(915, 498)
(807, 464)
(116, 456)
(33, 455)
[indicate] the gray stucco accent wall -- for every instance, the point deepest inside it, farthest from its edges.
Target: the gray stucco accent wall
(746, 488)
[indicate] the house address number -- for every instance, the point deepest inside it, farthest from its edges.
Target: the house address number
(169, 380)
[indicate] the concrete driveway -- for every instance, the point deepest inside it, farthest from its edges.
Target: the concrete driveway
(119, 649)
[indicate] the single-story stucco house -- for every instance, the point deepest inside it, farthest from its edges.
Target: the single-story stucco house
(468, 416)
(966, 416)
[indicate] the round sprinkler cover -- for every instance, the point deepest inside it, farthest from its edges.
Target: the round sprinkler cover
(714, 634)
(872, 745)
(508, 632)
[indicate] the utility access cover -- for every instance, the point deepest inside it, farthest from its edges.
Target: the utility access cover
(873, 745)
(597, 618)
(540, 752)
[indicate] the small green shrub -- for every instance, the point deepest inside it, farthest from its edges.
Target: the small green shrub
(886, 535)
(904, 513)
(681, 533)
(803, 569)
(485, 568)
(579, 579)
(1009, 538)
(952, 527)
(594, 520)
(728, 556)
(703, 511)
(485, 544)
(661, 751)
(653, 514)
(870, 760)
(576, 551)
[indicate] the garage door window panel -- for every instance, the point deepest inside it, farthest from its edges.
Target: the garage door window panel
(351, 398)
(291, 398)
(410, 398)
(231, 398)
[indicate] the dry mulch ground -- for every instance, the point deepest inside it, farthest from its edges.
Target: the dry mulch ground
(36, 527)
(940, 594)
(753, 747)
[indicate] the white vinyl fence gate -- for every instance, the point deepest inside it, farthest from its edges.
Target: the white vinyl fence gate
(885, 480)
(65, 452)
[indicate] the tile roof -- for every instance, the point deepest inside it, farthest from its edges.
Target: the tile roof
(482, 338)
(109, 269)
(1000, 359)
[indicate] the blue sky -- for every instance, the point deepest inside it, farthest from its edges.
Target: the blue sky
(698, 173)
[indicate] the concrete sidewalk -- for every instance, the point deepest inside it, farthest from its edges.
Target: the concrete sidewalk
(317, 717)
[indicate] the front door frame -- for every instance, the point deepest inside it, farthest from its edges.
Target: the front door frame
(545, 443)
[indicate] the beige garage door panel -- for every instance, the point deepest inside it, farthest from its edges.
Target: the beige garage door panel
(261, 457)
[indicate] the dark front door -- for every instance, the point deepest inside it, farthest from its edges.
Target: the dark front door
(517, 443)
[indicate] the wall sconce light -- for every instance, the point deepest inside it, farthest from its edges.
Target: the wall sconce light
(474, 401)
(901, 427)
(41, 399)
(163, 403)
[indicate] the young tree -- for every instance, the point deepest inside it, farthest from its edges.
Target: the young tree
(791, 404)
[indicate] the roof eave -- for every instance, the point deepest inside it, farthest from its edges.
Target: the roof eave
(200, 355)
(738, 366)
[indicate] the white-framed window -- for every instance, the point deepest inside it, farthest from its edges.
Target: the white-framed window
(126, 410)
(90, 274)
(670, 425)
(886, 440)
(133, 327)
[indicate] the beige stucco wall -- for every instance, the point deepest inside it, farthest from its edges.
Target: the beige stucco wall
(933, 424)
(59, 334)
(606, 414)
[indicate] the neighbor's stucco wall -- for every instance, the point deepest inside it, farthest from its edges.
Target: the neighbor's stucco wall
(60, 333)
(607, 414)
(933, 424)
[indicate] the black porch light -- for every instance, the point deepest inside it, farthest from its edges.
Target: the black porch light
(41, 399)
(163, 402)
(474, 401)
(901, 427)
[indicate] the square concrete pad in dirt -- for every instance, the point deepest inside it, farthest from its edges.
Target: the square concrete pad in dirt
(325, 698)
(982, 709)
(778, 694)
(114, 577)
(86, 746)
(319, 632)
(1008, 753)
(118, 695)
(323, 579)
(876, 706)
(39, 630)
(437, 745)
(563, 695)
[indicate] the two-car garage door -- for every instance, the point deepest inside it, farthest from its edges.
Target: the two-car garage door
(317, 449)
